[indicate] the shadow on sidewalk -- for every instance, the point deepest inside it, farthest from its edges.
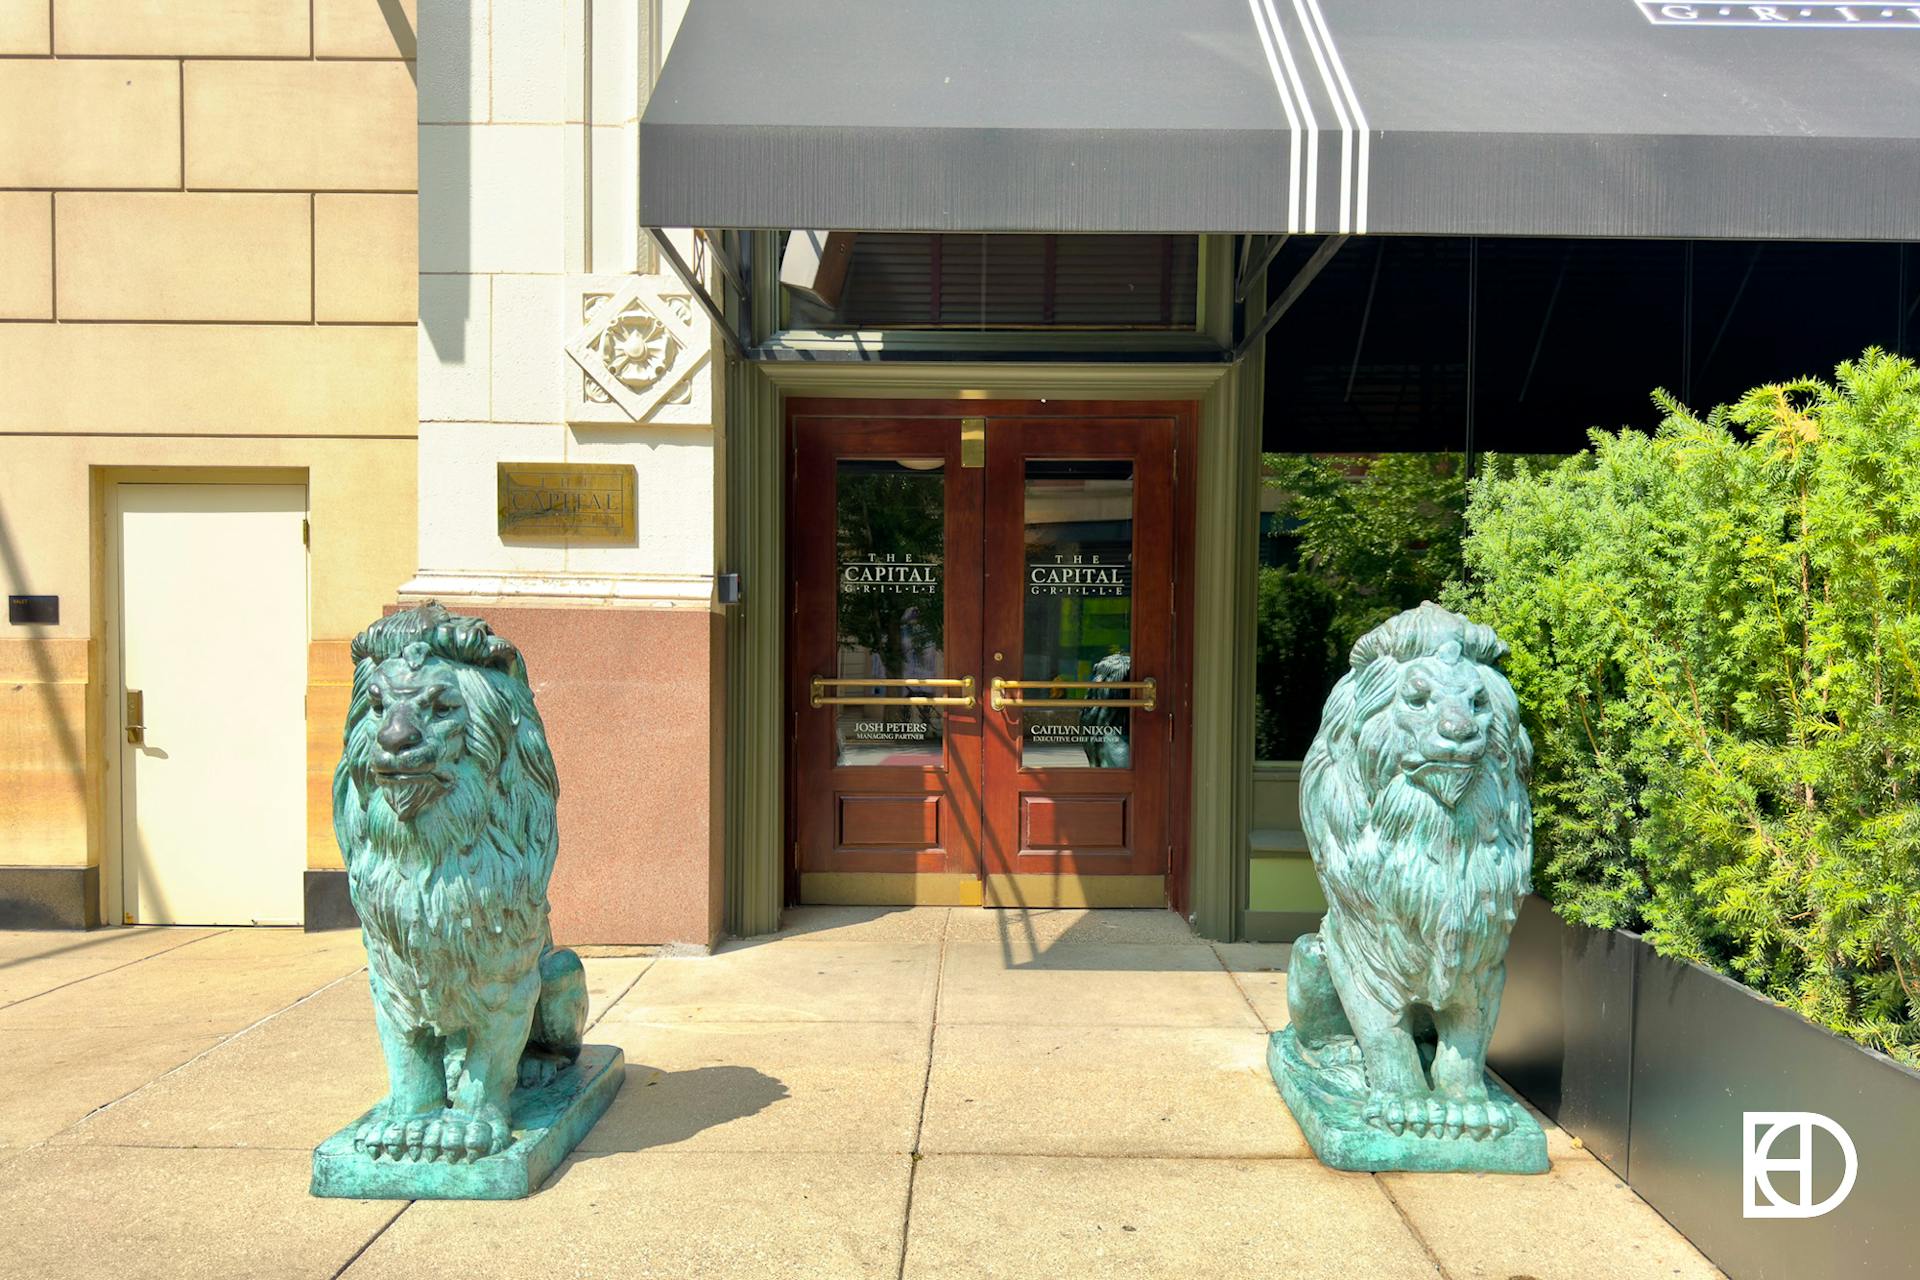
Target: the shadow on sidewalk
(657, 1108)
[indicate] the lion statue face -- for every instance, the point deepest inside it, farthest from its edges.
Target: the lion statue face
(443, 749)
(1442, 716)
(420, 734)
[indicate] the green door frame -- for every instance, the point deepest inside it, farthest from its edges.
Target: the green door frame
(752, 523)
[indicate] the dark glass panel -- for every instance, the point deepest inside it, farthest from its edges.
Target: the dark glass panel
(1077, 621)
(1373, 356)
(890, 606)
(979, 281)
(1774, 310)
(1574, 334)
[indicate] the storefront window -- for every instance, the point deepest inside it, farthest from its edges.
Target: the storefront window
(1078, 615)
(891, 280)
(1346, 541)
(890, 607)
(1771, 310)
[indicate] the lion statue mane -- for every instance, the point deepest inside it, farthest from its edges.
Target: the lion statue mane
(1414, 800)
(443, 806)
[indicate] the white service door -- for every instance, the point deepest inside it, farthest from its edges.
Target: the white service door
(213, 634)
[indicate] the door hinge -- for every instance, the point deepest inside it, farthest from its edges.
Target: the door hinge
(306, 532)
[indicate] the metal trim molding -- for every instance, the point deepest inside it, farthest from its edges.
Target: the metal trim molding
(1046, 891)
(890, 889)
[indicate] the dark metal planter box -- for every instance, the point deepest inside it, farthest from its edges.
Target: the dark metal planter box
(1653, 1064)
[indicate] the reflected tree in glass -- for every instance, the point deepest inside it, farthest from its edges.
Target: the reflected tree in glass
(1352, 540)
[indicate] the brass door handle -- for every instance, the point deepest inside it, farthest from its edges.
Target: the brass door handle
(1004, 695)
(964, 698)
(136, 718)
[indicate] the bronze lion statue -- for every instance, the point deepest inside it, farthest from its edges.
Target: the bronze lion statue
(1414, 800)
(443, 805)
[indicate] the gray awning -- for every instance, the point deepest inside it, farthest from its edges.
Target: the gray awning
(1493, 117)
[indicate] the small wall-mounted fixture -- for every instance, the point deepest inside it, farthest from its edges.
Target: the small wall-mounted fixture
(33, 611)
(726, 588)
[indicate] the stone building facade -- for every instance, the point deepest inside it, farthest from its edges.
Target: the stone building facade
(207, 278)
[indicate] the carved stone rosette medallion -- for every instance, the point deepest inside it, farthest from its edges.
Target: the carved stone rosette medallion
(639, 348)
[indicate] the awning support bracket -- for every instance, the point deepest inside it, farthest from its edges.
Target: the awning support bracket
(723, 260)
(1269, 249)
(691, 279)
(1322, 255)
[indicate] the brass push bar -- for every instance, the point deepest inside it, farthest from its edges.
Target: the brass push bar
(963, 699)
(999, 700)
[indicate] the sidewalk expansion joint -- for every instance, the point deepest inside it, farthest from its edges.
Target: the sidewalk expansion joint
(368, 1243)
(166, 951)
(608, 1007)
(1412, 1229)
(926, 1088)
(224, 1040)
(1239, 987)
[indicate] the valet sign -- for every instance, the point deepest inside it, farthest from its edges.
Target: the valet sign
(1821, 14)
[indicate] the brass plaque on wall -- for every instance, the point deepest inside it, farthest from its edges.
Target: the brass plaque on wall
(590, 501)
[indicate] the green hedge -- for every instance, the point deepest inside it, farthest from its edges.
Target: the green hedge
(1716, 638)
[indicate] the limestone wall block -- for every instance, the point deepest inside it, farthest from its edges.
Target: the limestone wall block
(90, 123)
(26, 255)
(184, 255)
(214, 28)
(364, 256)
(24, 27)
(363, 29)
(300, 126)
(232, 379)
(456, 348)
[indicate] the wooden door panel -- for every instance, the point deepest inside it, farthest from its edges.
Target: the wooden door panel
(903, 822)
(885, 539)
(1079, 580)
(1069, 804)
(1089, 824)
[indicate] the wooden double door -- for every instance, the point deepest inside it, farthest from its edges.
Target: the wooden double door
(987, 689)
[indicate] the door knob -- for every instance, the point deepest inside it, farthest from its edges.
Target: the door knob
(136, 718)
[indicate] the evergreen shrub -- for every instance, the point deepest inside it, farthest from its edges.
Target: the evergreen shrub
(1716, 641)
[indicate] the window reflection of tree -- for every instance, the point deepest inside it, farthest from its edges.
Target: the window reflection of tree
(1079, 516)
(1349, 541)
(898, 513)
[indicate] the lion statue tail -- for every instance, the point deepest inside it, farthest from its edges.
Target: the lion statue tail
(560, 1014)
(1313, 1004)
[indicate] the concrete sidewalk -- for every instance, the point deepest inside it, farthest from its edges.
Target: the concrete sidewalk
(870, 1093)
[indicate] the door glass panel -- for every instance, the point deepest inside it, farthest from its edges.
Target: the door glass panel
(890, 607)
(1078, 616)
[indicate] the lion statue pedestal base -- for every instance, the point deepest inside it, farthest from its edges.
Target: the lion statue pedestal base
(1326, 1089)
(548, 1122)
(1414, 800)
(1322, 1074)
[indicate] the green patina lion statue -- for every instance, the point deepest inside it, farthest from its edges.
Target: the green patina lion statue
(1414, 800)
(443, 804)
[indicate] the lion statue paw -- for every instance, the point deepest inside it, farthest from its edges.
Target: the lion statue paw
(1431, 1115)
(451, 1134)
